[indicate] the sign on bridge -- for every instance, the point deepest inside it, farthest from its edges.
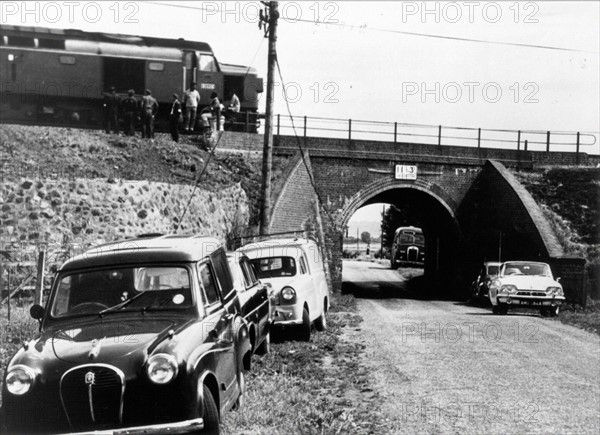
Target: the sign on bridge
(406, 172)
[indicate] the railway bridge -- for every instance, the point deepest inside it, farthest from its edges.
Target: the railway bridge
(468, 200)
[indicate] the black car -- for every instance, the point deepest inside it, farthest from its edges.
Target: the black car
(144, 335)
(255, 300)
(481, 286)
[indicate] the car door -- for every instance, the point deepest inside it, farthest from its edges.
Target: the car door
(260, 296)
(310, 286)
(219, 322)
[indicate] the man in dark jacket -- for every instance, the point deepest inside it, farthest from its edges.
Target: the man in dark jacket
(112, 101)
(130, 111)
(149, 107)
(175, 117)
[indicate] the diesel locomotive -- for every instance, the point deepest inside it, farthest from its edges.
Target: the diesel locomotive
(59, 77)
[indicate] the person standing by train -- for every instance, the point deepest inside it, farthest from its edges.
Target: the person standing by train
(149, 107)
(191, 99)
(112, 101)
(175, 118)
(130, 109)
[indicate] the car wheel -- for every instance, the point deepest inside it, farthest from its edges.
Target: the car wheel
(321, 322)
(502, 310)
(265, 346)
(549, 312)
(304, 329)
(495, 309)
(211, 413)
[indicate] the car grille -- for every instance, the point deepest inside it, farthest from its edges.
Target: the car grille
(531, 293)
(412, 254)
(92, 396)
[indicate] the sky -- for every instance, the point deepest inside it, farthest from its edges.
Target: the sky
(491, 65)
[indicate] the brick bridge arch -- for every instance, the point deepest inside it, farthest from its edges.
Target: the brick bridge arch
(366, 194)
(473, 197)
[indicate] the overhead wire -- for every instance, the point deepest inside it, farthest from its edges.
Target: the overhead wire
(302, 152)
(366, 27)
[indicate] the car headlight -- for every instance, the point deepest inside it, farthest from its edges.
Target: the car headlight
(554, 291)
(162, 368)
(288, 294)
(510, 289)
(19, 379)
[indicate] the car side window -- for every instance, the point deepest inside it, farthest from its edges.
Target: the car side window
(249, 274)
(303, 268)
(210, 292)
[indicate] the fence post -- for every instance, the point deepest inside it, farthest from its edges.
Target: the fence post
(278, 124)
(548, 142)
(349, 130)
(304, 130)
(395, 132)
(479, 138)
(577, 150)
(39, 285)
(525, 144)
(519, 141)
(440, 135)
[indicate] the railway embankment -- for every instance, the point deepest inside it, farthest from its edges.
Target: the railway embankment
(64, 189)
(570, 199)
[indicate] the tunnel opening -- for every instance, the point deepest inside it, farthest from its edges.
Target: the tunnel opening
(438, 276)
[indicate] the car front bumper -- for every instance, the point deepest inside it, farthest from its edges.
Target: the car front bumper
(530, 301)
(187, 426)
(287, 315)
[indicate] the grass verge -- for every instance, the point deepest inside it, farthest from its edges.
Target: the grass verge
(311, 387)
(587, 318)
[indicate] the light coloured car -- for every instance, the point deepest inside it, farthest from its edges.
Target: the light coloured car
(294, 268)
(526, 284)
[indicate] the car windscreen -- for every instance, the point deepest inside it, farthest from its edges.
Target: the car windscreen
(531, 269)
(95, 291)
(274, 267)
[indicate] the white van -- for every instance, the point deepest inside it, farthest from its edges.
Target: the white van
(294, 267)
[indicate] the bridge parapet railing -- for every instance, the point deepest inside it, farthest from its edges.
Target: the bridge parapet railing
(396, 132)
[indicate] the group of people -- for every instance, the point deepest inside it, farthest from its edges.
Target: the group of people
(146, 110)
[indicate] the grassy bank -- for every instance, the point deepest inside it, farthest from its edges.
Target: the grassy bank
(311, 388)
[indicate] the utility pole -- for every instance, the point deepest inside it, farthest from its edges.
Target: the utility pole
(270, 31)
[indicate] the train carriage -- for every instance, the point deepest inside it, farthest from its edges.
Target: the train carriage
(54, 76)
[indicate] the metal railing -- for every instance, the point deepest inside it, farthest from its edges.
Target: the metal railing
(526, 140)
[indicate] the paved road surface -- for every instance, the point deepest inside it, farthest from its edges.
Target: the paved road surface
(452, 368)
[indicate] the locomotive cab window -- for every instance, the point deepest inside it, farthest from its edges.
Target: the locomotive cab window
(207, 63)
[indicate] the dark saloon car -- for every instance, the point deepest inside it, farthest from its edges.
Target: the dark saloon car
(255, 300)
(481, 286)
(139, 336)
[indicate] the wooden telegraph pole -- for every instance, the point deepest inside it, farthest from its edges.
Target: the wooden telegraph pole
(271, 32)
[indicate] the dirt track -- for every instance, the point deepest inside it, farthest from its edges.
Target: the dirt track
(448, 367)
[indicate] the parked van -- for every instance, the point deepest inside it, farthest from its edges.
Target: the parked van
(294, 268)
